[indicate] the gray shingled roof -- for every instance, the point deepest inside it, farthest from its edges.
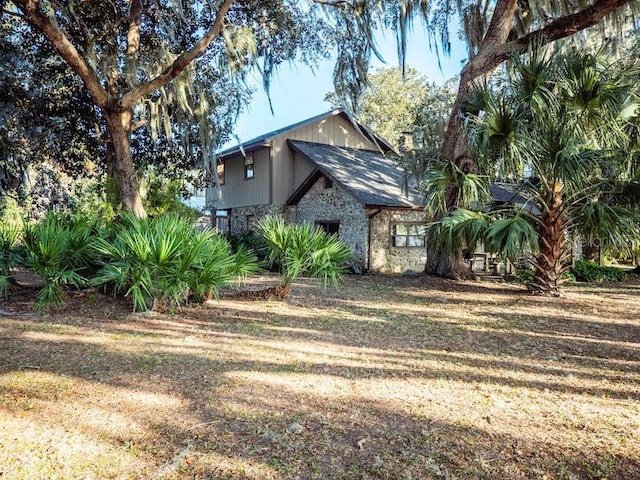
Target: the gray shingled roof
(371, 177)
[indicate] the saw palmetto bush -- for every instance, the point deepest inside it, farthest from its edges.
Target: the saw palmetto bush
(163, 262)
(303, 250)
(58, 249)
(10, 254)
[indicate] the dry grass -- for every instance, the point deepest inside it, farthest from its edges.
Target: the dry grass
(398, 378)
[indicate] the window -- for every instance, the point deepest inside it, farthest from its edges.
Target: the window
(328, 183)
(248, 167)
(251, 223)
(329, 227)
(406, 235)
(220, 170)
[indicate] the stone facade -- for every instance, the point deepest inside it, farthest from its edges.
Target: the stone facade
(240, 218)
(333, 204)
(386, 258)
(324, 204)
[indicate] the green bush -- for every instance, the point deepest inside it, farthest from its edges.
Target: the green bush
(587, 271)
(93, 198)
(303, 250)
(249, 242)
(163, 196)
(10, 254)
(58, 249)
(162, 262)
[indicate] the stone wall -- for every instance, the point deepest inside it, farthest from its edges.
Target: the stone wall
(335, 204)
(238, 218)
(388, 259)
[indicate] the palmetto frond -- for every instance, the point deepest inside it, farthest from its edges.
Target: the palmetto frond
(470, 189)
(304, 249)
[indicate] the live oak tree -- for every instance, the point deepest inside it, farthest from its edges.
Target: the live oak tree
(44, 113)
(494, 31)
(137, 60)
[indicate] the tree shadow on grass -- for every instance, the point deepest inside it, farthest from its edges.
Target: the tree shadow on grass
(231, 369)
(244, 411)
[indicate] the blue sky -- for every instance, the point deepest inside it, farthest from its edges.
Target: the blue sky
(297, 93)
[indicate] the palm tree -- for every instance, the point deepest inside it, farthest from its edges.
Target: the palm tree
(557, 129)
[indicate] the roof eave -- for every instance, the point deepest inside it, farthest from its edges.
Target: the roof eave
(395, 207)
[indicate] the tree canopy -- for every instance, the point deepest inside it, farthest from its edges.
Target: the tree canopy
(137, 61)
(494, 30)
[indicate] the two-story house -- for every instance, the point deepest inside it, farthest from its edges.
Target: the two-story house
(331, 171)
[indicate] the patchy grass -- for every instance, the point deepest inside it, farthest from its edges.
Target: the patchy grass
(390, 378)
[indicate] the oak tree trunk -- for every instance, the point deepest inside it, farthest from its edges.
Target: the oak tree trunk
(120, 162)
(456, 146)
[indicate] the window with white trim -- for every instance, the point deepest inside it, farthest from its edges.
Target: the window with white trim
(408, 235)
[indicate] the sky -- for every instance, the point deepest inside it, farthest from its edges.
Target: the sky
(297, 93)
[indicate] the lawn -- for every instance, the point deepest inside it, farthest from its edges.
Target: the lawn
(388, 378)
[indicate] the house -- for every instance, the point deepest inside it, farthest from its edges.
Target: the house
(331, 171)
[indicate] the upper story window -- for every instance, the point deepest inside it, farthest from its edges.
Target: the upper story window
(328, 183)
(220, 171)
(249, 171)
(407, 235)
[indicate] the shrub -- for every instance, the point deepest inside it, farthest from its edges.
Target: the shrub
(58, 249)
(249, 242)
(160, 263)
(92, 196)
(303, 250)
(587, 271)
(164, 196)
(10, 254)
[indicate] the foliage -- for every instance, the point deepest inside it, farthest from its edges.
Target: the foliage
(91, 197)
(48, 191)
(557, 130)
(304, 250)
(58, 249)
(587, 271)
(249, 242)
(162, 262)
(10, 255)
(359, 21)
(11, 249)
(44, 112)
(152, 102)
(163, 196)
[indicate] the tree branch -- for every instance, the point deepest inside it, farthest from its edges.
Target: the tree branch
(133, 40)
(34, 16)
(500, 24)
(335, 3)
(180, 63)
(560, 28)
(568, 25)
(490, 57)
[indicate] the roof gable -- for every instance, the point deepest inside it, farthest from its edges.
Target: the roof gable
(371, 177)
(263, 140)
